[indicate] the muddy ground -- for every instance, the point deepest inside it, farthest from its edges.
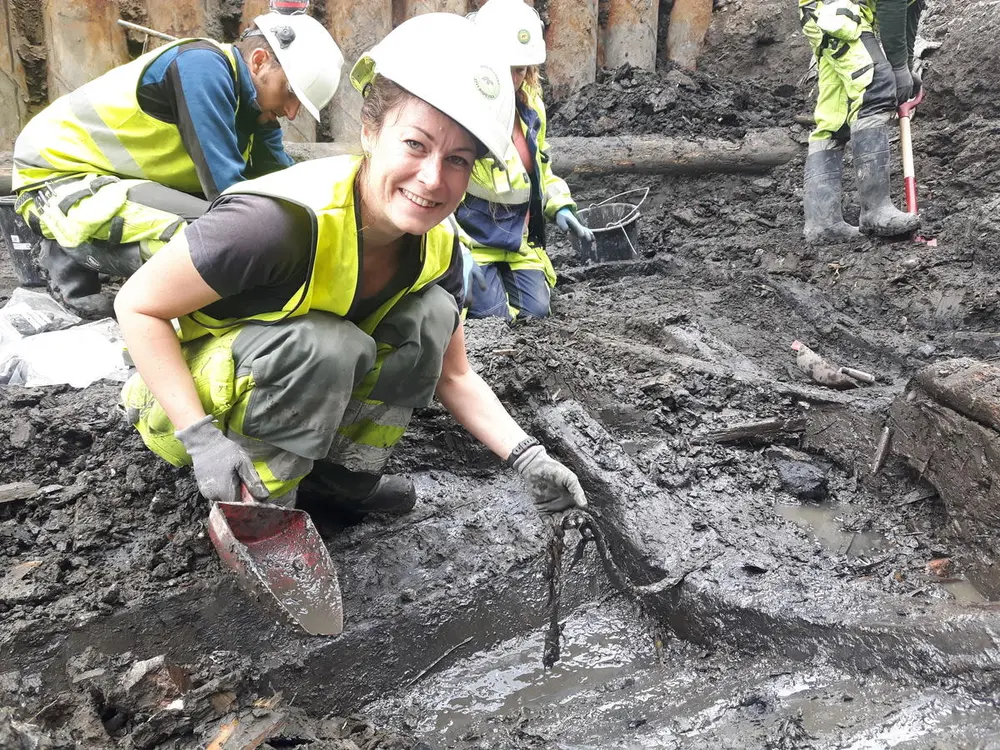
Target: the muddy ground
(107, 563)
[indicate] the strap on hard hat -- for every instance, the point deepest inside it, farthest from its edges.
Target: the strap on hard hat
(284, 34)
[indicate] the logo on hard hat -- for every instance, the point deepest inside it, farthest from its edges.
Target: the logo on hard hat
(524, 36)
(487, 82)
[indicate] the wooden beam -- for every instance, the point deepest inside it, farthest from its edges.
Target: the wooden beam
(759, 151)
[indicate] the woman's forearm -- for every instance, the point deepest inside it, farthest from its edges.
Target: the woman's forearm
(477, 409)
(156, 352)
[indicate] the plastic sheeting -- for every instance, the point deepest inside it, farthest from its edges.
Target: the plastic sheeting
(43, 344)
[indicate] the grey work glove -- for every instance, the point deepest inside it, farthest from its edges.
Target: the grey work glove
(567, 221)
(554, 488)
(905, 89)
(220, 465)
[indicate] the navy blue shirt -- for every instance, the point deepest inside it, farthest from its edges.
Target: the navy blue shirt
(193, 87)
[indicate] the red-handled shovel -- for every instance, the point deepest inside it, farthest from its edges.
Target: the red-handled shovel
(278, 550)
(906, 110)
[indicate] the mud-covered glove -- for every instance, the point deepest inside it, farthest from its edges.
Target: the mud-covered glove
(567, 221)
(471, 272)
(905, 89)
(553, 487)
(220, 465)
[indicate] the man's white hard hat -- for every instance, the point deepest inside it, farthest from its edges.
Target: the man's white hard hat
(310, 57)
(516, 30)
(444, 59)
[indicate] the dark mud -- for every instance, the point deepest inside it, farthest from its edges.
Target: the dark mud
(693, 337)
(629, 101)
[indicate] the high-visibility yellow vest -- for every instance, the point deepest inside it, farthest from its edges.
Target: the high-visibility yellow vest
(100, 129)
(497, 200)
(325, 189)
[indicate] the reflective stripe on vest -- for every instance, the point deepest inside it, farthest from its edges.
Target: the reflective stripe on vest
(100, 129)
(325, 189)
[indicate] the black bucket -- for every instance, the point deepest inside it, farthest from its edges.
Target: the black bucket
(615, 227)
(20, 243)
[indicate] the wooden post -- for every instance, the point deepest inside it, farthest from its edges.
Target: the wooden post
(571, 38)
(179, 18)
(689, 22)
(629, 35)
(13, 88)
(411, 8)
(83, 41)
(356, 27)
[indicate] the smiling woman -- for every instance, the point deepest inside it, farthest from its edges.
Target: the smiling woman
(319, 306)
(419, 163)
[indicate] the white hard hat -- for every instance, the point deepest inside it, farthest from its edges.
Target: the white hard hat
(515, 28)
(307, 53)
(446, 61)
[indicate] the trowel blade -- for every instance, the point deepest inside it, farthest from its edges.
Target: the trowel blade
(279, 550)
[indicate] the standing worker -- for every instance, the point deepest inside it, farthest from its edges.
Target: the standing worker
(503, 214)
(861, 83)
(110, 172)
(319, 305)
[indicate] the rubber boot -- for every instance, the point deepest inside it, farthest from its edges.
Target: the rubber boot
(332, 487)
(879, 217)
(78, 288)
(822, 198)
(122, 260)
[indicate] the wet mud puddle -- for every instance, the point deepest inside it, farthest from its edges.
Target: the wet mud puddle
(823, 521)
(612, 690)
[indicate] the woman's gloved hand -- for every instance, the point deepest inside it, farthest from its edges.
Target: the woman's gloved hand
(554, 488)
(567, 221)
(220, 465)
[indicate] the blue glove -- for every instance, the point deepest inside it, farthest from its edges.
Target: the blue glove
(471, 272)
(567, 221)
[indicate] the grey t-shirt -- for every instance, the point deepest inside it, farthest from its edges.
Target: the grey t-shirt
(254, 251)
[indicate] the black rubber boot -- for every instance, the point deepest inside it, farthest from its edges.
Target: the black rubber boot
(822, 199)
(78, 288)
(333, 488)
(122, 260)
(879, 217)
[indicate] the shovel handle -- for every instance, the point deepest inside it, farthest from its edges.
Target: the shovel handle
(909, 173)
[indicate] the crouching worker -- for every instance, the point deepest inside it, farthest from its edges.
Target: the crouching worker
(110, 172)
(511, 196)
(318, 306)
